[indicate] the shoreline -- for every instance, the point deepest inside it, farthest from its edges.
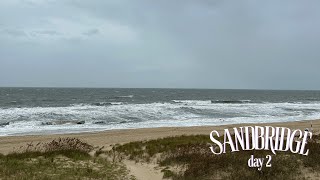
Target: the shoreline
(109, 137)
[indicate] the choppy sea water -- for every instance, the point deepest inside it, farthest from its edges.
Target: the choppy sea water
(70, 110)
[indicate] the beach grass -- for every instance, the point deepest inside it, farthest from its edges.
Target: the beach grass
(194, 160)
(179, 158)
(66, 158)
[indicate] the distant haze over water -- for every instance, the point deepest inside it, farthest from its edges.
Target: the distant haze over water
(70, 110)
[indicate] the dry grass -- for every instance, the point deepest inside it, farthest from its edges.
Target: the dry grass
(193, 153)
(63, 158)
(69, 158)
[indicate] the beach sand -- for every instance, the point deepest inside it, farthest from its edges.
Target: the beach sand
(107, 138)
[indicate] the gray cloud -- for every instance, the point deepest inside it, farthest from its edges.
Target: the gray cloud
(14, 32)
(195, 44)
(91, 32)
(46, 32)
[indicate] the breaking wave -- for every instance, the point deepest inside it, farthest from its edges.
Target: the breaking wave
(119, 115)
(230, 101)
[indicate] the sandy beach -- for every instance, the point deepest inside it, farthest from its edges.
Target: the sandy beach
(107, 138)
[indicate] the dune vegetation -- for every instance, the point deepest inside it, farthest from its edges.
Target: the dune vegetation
(189, 157)
(63, 158)
(180, 157)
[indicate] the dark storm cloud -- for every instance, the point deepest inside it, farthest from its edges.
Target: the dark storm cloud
(142, 43)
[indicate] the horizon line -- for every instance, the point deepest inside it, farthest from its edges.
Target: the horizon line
(188, 88)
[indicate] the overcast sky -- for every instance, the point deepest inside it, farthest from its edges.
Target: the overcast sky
(163, 44)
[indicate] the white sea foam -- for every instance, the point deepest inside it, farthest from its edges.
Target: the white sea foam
(117, 115)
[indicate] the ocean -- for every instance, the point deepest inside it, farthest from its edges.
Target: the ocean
(25, 111)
